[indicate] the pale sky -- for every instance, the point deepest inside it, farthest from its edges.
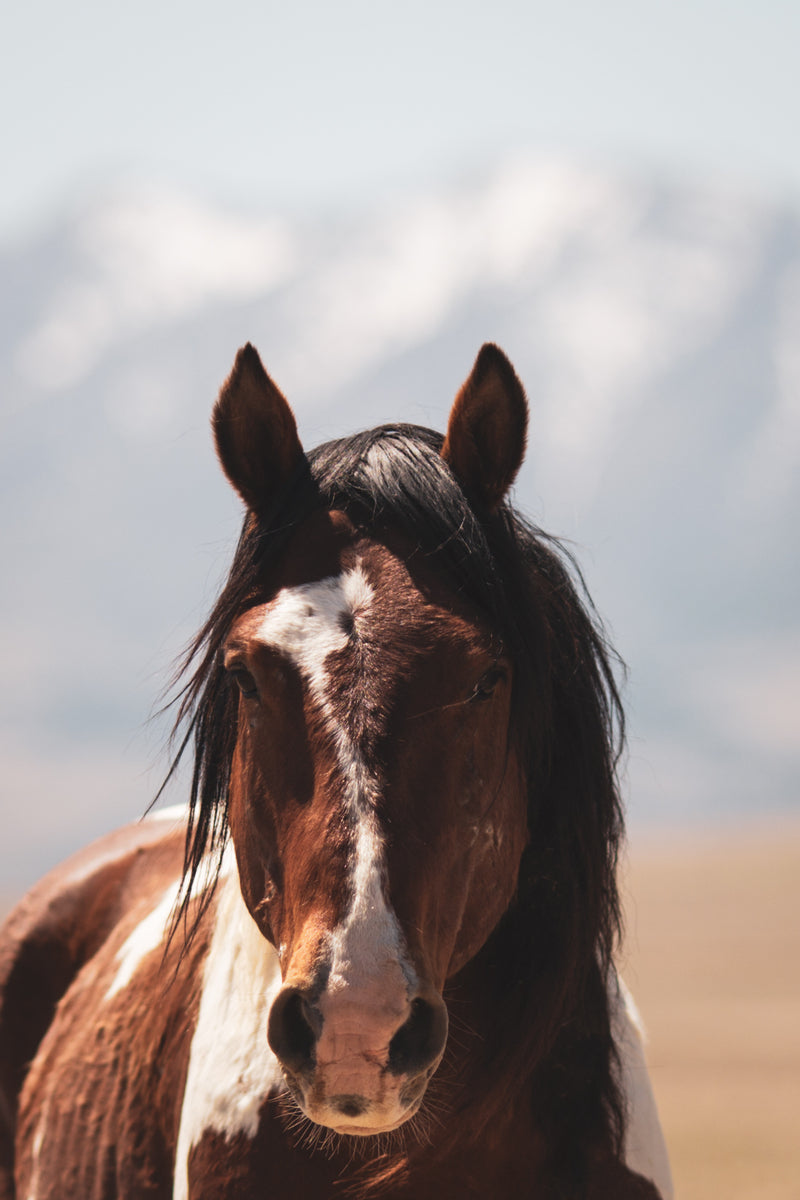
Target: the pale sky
(312, 104)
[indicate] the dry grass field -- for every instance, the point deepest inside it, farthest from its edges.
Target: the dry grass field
(713, 959)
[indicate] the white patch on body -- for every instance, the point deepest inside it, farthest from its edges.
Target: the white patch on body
(146, 937)
(152, 930)
(231, 1067)
(645, 1148)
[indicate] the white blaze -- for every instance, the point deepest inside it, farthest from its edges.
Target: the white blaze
(307, 624)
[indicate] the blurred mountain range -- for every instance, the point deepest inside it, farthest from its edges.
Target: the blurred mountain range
(656, 326)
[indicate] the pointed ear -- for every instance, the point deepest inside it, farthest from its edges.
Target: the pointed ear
(486, 433)
(255, 432)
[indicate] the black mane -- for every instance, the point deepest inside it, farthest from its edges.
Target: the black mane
(546, 1023)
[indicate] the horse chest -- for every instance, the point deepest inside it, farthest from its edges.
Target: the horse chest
(272, 1167)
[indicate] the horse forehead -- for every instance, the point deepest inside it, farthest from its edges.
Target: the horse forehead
(308, 621)
(371, 600)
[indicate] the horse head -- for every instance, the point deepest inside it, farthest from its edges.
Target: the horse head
(375, 796)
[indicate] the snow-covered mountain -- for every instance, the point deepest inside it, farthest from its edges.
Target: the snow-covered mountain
(656, 327)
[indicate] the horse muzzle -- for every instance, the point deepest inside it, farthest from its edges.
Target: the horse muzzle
(357, 1063)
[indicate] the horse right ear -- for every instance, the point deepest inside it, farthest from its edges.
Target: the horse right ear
(255, 432)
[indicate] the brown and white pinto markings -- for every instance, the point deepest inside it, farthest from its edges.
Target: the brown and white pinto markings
(403, 816)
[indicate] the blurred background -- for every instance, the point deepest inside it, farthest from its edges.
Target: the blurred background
(368, 192)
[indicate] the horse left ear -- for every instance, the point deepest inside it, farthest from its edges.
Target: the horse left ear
(255, 432)
(486, 433)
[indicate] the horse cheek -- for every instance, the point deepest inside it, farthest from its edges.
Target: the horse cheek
(252, 824)
(494, 861)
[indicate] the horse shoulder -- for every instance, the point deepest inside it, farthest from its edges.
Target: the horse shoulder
(50, 935)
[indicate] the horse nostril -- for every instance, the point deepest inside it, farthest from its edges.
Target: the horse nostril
(290, 1031)
(349, 1106)
(419, 1043)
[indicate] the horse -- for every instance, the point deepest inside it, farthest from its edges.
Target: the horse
(373, 955)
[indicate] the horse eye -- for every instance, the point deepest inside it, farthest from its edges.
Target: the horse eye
(244, 681)
(485, 686)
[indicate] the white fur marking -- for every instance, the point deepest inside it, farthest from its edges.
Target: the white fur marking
(147, 936)
(152, 929)
(231, 1068)
(307, 623)
(645, 1149)
(33, 1187)
(369, 938)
